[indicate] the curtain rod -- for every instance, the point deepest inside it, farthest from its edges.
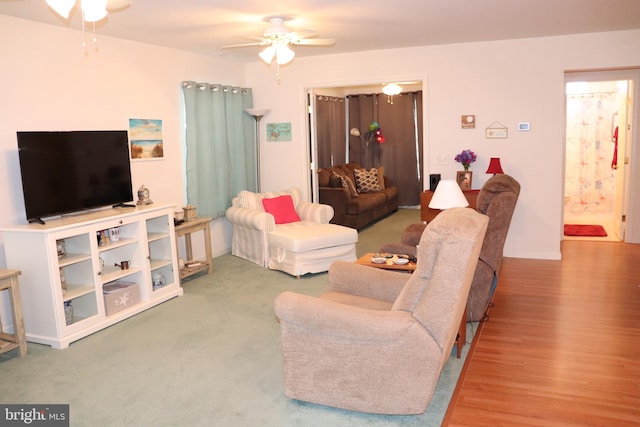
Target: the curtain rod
(214, 86)
(411, 92)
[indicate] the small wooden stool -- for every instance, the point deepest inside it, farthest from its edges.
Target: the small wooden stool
(8, 342)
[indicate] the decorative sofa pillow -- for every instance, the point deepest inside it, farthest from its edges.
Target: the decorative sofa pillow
(335, 181)
(367, 180)
(324, 177)
(348, 184)
(251, 200)
(281, 208)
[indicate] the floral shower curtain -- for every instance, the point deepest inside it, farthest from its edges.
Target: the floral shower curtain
(589, 176)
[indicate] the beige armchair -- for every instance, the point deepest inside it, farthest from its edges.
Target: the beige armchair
(377, 340)
(307, 245)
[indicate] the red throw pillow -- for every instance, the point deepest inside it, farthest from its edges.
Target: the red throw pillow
(281, 208)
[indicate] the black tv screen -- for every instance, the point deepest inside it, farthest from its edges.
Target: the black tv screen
(71, 171)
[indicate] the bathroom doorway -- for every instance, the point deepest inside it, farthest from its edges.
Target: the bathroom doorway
(598, 144)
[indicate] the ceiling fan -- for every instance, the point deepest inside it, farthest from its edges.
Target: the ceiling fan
(92, 11)
(278, 38)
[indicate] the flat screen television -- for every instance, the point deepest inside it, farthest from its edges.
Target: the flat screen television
(72, 171)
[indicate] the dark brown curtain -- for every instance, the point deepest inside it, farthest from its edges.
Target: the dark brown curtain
(330, 126)
(401, 153)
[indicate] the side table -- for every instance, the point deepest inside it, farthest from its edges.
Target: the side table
(8, 342)
(185, 229)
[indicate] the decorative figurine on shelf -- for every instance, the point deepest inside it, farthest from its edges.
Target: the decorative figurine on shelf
(157, 280)
(68, 313)
(143, 196)
(61, 247)
(189, 212)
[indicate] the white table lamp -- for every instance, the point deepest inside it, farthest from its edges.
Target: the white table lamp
(448, 195)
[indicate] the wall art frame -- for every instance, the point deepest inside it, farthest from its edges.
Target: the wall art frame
(496, 131)
(145, 139)
(279, 132)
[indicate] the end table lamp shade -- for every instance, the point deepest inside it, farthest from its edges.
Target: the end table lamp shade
(494, 166)
(448, 195)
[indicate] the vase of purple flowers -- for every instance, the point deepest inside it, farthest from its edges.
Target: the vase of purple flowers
(466, 158)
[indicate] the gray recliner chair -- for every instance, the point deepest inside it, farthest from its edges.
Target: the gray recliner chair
(497, 199)
(376, 341)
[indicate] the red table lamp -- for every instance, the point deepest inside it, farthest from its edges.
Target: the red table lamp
(494, 166)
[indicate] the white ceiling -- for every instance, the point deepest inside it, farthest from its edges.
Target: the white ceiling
(357, 25)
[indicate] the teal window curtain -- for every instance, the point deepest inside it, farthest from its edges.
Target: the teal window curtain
(220, 145)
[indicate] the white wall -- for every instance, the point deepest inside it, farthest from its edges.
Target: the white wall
(49, 83)
(507, 81)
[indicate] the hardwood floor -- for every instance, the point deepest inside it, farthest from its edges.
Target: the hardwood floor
(562, 345)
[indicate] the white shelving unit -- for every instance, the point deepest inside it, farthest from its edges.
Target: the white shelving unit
(147, 241)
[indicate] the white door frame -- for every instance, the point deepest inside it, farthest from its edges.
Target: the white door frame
(631, 158)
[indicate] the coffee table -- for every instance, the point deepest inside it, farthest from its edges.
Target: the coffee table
(389, 265)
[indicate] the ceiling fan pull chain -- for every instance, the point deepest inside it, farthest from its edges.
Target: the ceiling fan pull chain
(94, 38)
(84, 38)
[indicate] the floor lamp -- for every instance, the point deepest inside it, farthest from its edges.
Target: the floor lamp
(257, 114)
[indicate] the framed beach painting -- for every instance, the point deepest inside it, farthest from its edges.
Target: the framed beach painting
(145, 139)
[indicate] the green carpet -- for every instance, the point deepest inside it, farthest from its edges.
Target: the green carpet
(209, 358)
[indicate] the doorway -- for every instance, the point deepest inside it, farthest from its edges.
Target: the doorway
(598, 143)
(340, 119)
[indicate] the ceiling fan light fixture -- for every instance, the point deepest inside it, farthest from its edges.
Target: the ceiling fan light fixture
(62, 7)
(277, 28)
(284, 54)
(267, 54)
(94, 10)
(391, 89)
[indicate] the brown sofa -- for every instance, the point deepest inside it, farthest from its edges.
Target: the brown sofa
(354, 206)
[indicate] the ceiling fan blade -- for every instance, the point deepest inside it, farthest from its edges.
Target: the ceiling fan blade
(257, 41)
(117, 4)
(231, 46)
(302, 34)
(315, 42)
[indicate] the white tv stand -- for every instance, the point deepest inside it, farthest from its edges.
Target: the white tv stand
(147, 241)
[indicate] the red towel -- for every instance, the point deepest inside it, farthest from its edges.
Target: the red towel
(614, 162)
